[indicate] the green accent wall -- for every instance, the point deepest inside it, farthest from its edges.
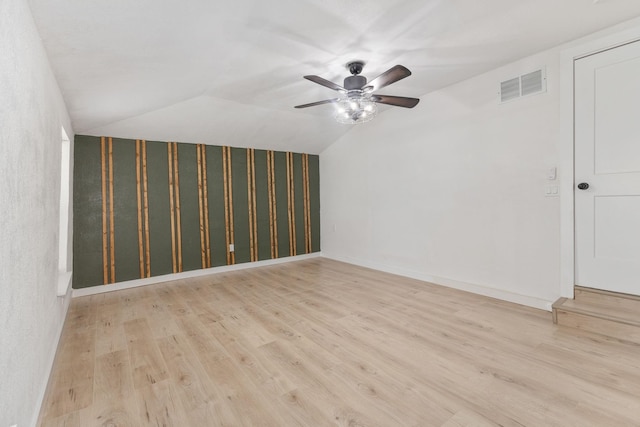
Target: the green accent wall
(298, 181)
(262, 205)
(88, 208)
(240, 205)
(215, 188)
(126, 205)
(280, 172)
(189, 209)
(160, 220)
(314, 199)
(87, 212)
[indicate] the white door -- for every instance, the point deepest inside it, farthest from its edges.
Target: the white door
(607, 158)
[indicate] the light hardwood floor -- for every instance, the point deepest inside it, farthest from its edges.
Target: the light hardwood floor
(322, 343)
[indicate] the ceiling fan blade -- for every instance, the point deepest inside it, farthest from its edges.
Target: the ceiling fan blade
(313, 104)
(398, 101)
(392, 75)
(326, 83)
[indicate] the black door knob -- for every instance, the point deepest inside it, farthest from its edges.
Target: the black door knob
(583, 186)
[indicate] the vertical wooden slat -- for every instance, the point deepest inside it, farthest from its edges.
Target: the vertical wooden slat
(275, 206)
(226, 203)
(112, 245)
(307, 204)
(172, 209)
(203, 256)
(139, 200)
(269, 197)
(105, 230)
(291, 205)
(205, 195)
(176, 183)
(145, 193)
(293, 209)
(249, 206)
(230, 183)
(304, 201)
(255, 210)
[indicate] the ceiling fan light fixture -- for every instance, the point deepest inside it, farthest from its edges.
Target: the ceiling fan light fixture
(357, 102)
(355, 110)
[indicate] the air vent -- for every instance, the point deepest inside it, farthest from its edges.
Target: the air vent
(524, 85)
(510, 89)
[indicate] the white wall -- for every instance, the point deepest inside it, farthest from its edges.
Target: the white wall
(32, 112)
(453, 191)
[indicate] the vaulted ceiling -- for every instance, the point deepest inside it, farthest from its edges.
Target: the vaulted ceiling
(229, 72)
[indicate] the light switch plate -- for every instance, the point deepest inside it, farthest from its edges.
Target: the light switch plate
(552, 173)
(232, 247)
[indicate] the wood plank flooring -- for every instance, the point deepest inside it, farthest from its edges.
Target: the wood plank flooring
(322, 343)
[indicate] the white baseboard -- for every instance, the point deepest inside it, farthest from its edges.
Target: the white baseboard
(443, 281)
(52, 358)
(188, 274)
(64, 283)
(450, 283)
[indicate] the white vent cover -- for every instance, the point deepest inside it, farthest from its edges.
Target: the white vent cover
(524, 85)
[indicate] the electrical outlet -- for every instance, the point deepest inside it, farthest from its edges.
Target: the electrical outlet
(232, 247)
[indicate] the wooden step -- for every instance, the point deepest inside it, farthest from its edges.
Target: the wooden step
(612, 299)
(603, 312)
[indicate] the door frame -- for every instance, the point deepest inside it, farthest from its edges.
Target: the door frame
(617, 36)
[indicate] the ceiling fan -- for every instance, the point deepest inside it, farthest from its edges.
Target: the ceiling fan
(358, 102)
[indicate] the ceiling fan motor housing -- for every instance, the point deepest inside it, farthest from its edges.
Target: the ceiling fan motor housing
(355, 82)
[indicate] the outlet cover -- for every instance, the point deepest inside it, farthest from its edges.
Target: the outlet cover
(232, 247)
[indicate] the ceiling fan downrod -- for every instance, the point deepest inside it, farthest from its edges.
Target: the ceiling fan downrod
(355, 81)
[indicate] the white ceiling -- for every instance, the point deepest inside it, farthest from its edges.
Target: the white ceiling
(229, 72)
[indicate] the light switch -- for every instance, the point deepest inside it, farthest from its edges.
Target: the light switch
(232, 247)
(552, 173)
(551, 191)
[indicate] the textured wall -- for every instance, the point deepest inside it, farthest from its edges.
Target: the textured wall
(31, 315)
(146, 208)
(462, 199)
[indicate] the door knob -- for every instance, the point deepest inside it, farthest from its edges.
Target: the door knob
(583, 186)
